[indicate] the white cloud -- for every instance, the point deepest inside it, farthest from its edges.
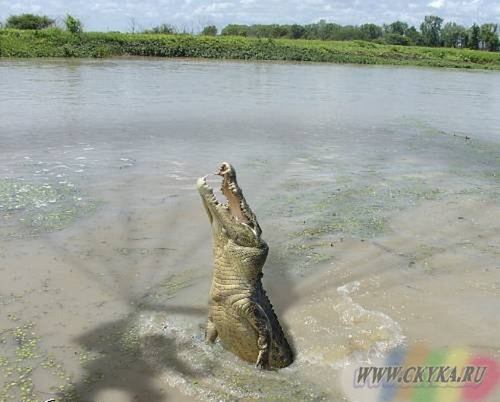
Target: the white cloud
(437, 4)
(16, 6)
(219, 6)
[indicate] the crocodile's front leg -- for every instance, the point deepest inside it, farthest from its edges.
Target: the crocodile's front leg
(258, 319)
(210, 332)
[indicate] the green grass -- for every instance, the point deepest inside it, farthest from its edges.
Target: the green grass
(58, 43)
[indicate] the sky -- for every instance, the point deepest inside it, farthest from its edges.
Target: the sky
(192, 15)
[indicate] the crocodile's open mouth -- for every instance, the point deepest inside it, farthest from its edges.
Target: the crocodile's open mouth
(235, 203)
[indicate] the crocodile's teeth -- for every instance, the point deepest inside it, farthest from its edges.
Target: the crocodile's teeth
(205, 184)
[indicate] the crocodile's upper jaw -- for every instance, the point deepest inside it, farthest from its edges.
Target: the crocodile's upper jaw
(234, 217)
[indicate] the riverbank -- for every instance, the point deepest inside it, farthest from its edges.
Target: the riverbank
(57, 43)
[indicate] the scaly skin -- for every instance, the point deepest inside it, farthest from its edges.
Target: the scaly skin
(240, 313)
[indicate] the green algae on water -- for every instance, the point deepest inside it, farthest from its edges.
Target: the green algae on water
(358, 211)
(20, 357)
(30, 208)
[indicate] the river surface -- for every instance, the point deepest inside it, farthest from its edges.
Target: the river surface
(377, 189)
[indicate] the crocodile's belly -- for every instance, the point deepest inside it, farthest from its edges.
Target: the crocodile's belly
(235, 332)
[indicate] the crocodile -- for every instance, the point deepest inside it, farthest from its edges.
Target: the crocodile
(240, 314)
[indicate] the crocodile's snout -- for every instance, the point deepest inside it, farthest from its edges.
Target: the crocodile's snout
(201, 182)
(226, 169)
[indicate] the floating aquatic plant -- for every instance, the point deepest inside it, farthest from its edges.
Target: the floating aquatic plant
(31, 208)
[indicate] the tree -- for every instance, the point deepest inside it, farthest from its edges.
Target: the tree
(133, 24)
(296, 31)
(322, 30)
(474, 36)
(279, 31)
(370, 31)
(311, 31)
(263, 31)
(489, 37)
(235, 30)
(29, 21)
(347, 32)
(396, 39)
(161, 29)
(414, 36)
(431, 30)
(454, 35)
(397, 27)
(73, 25)
(209, 30)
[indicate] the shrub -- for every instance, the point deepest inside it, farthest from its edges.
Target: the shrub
(73, 25)
(69, 50)
(210, 30)
(29, 21)
(161, 29)
(395, 39)
(102, 51)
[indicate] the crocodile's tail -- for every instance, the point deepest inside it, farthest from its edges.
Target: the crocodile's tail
(281, 352)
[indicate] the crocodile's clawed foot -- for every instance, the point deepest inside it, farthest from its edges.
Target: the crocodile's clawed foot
(262, 360)
(210, 333)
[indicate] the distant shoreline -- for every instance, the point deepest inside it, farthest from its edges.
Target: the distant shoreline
(58, 43)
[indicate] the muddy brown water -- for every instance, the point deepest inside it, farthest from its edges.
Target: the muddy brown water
(377, 189)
